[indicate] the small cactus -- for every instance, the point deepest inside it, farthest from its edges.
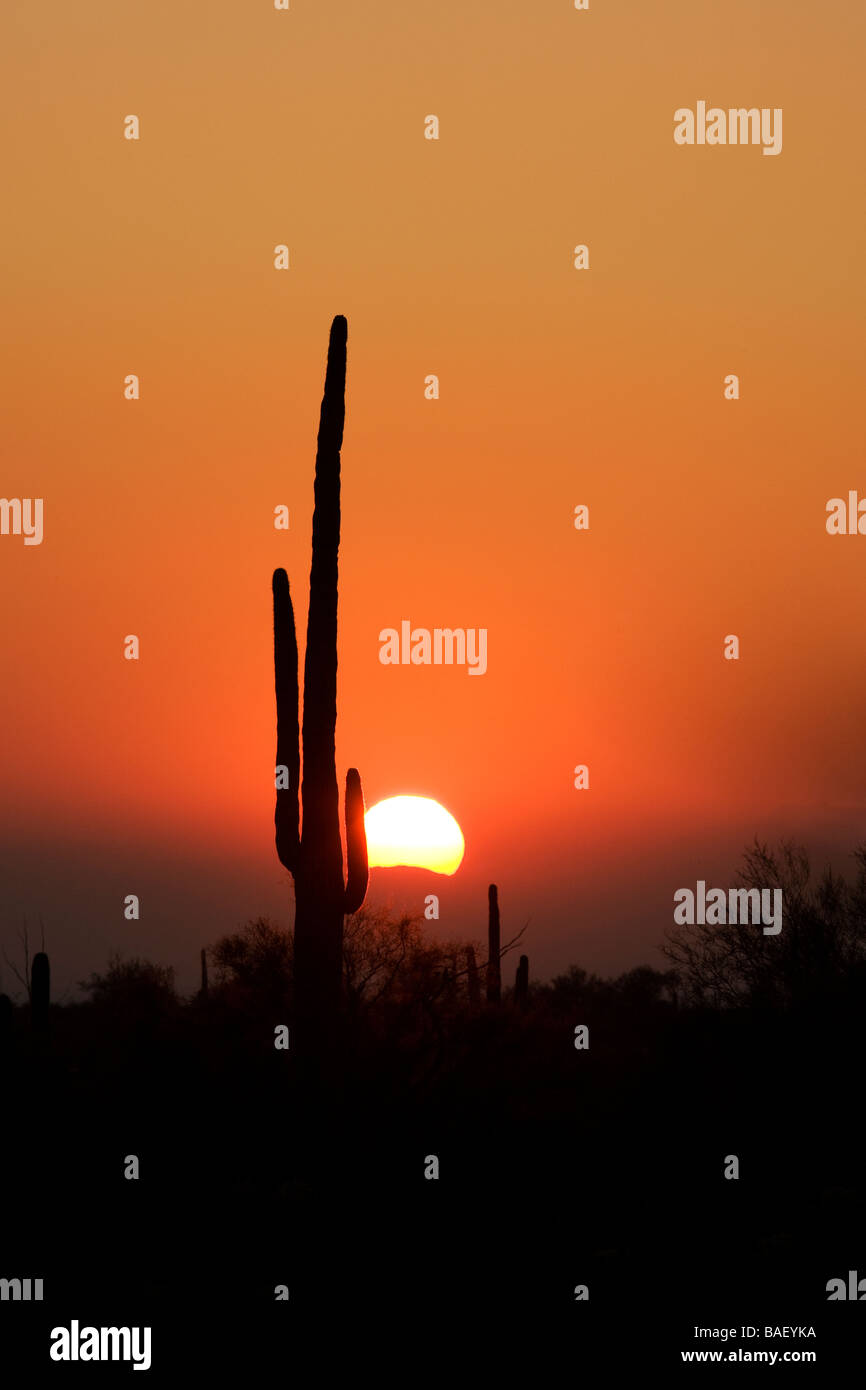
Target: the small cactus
(521, 983)
(494, 974)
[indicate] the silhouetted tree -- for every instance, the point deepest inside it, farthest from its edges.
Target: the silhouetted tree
(133, 988)
(392, 960)
(377, 950)
(23, 972)
(574, 989)
(820, 951)
(255, 963)
(645, 987)
(387, 958)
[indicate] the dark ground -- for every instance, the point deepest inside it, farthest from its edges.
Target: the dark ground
(557, 1168)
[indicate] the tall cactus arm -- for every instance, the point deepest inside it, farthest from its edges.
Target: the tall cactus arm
(357, 871)
(319, 793)
(287, 813)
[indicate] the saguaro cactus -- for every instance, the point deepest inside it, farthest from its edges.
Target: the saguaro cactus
(203, 973)
(312, 851)
(494, 975)
(521, 982)
(40, 991)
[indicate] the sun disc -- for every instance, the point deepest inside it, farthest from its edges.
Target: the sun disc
(413, 832)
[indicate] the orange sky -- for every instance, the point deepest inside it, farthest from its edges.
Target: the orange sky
(557, 387)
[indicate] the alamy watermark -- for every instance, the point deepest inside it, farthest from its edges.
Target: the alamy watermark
(22, 516)
(716, 908)
(738, 125)
(76, 1343)
(846, 518)
(21, 1290)
(443, 646)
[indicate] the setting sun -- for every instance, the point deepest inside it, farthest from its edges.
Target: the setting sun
(413, 831)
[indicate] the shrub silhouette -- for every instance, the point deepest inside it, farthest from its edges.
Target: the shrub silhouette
(392, 968)
(254, 965)
(819, 953)
(132, 989)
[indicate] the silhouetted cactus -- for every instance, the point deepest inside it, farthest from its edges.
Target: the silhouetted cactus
(312, 851)
(521, 983)
(40, 991)
(473, 984)
(494, 974)
(203, 973)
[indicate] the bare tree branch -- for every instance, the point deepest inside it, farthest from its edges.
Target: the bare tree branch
(24, 980)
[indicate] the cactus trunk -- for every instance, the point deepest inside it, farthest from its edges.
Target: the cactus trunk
(521, 983)
(494, 976)
(312, 851)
